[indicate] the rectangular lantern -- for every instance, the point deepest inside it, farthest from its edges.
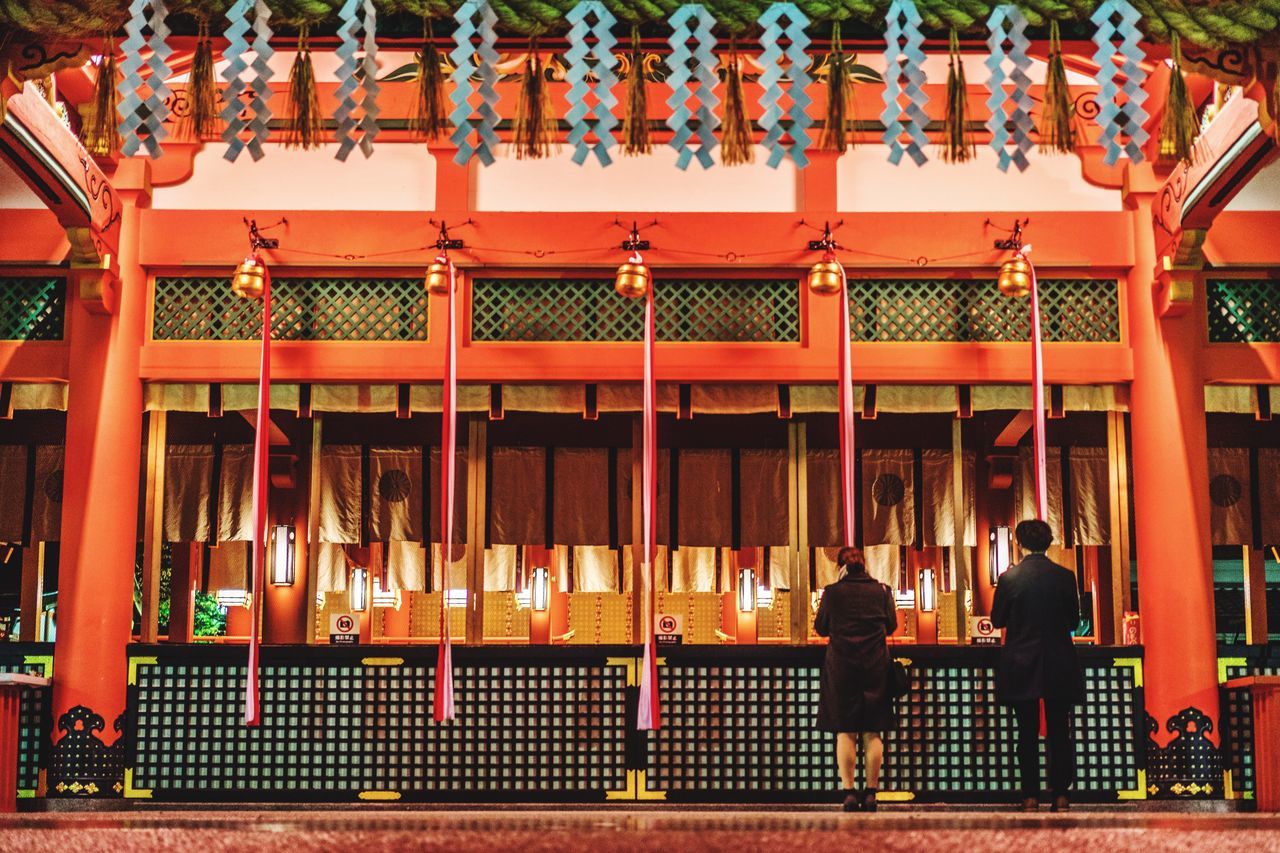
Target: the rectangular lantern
(283, 539)
(747, 590)
(1001, 552)
(926, 593)
(360, 590)
(455, 597)
(540, 592)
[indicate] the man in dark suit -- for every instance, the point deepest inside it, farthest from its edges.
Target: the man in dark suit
(1037, 605)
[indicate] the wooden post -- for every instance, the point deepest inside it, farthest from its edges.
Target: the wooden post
(1255, 596)
(31, 629)
(153, 526)
(1118, 487)
(184, 580)
(798, 528)
(477, 457)
(313, 527)
(960, 551)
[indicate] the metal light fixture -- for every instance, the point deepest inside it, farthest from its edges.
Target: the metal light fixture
(747, 590)
(232, 598)
(455, 597)
(926, 592)
(1001, 552)
(540, 592)
(283, 540)
(764, 597)
(385, 597)
(360, 590)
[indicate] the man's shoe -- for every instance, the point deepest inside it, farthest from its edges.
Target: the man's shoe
(869, 800)
(1060, 804)
(1030, 804)
(852, 801)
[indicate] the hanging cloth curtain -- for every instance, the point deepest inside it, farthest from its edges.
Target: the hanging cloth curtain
(395, 502)
(938, 510)
(1230, 504)
(13, 499)
(46, 503)
(889, 499)
(341, 493)
(187, 479)
(1025, 489)
(1269, 493)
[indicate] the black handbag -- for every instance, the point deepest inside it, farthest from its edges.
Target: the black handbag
(899, 680)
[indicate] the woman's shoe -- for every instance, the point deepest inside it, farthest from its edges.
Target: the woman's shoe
(852, 800)
(869, 800)
(1060, 804)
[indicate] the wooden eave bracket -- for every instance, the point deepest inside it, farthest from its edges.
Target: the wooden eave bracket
(1238, 144)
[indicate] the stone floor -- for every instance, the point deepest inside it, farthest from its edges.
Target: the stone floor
(534, 830)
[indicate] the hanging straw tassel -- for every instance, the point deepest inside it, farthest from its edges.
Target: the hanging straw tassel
(304, 125)
(535, 125)
(1180, 128)
(635, 125)
(1056, 130)
(429, 119)
(203, 94)
(99, 135)
(958, 145)
(835, 134)
(735, 133)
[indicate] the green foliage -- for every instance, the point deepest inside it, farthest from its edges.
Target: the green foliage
(1215, 24)
(209, 619)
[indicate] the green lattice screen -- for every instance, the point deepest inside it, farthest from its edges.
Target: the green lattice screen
(535, 309)
(934, 310)
(1244, 311)
(32, 308)
(302, 309)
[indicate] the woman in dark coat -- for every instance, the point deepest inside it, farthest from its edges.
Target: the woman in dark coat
(857, 612)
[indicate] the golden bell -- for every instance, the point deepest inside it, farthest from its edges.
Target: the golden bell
(825, 276)
(632, 280)
(437, 278)
(247, 283)
(1015, 277)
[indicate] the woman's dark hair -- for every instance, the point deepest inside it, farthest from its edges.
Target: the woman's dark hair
(1034, 536)
(852, 560)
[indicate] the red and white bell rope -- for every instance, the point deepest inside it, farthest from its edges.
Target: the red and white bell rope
(444, 708)
(848, 488)
(261, 457)
(1037, 395)
(649, 713)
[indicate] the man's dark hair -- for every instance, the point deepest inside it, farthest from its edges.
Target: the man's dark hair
(1034, 536)
(852, 560)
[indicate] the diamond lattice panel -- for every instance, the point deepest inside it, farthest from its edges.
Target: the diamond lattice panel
(302, 309)
(32, 308)
(1244, 311)
(941, 310)
(582, 310)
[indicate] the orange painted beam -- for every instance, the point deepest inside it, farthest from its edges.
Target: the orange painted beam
(34, 361)
(1254, 364)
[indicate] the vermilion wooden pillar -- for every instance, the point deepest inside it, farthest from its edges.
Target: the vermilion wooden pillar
(1171, 507)
(100, 520)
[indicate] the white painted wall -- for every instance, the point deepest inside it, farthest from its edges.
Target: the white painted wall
(867, 181)
(635, 183)
(398, 176)
(1261, 193)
